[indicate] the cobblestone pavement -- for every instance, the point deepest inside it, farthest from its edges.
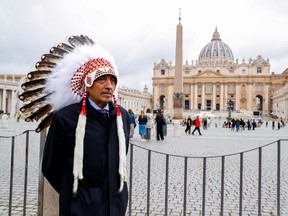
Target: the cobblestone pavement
(6, 132)
(214, 142)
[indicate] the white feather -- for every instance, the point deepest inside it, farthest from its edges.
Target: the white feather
(122, 153)
(79, 151)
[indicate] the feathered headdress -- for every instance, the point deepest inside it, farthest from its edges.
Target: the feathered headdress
(59, 80)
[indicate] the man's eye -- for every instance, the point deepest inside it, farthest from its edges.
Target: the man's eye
(101, 79)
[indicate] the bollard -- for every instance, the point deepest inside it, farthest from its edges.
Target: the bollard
(176, 129)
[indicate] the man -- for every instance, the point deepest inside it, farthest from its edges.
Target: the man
(132, 123)
(197, 125)
(159, 125)
(86, 146)
(188, 125)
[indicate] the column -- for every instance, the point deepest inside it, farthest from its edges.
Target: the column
(249, 98)
(203, 97)
(12, 104)
(222, 97)
(237, 96)
(225, 95)
(214, 97)
(169, 98)
(195, 96)
(191, 97)
(4, 101)
(156, 97)
(266, 99)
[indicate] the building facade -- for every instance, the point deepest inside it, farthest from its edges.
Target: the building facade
(216, 81)
(10, 89)
(279, 97)
(134, 99)
(9, 92)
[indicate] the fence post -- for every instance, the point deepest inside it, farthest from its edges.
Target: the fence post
(47, 196)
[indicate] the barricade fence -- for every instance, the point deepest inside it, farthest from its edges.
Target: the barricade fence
(252, 182)
(19, 183)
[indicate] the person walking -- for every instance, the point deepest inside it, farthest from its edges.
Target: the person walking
(273, 125)
(132, 123)
(188, 125)
(84, 157)
(159, 125)
(142, 120)
(149, 124)
(197, 126)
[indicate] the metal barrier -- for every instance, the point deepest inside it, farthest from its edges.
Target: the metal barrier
(175, 184)
(23, 196)
(253, 203)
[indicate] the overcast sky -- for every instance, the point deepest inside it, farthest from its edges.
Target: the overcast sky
(139, 33)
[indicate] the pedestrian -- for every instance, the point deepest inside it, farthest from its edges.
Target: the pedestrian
(205, 124)
(159, 125)
(164, 125)
(273, 125)
(197, 126)
(249, 124)
(279, 125)
(84, 157)
(149, 124)
(132, 123)
(18, 117)
(142, 120)
(254, 125)
(188, 125)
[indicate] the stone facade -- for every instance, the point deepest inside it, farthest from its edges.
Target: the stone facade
(279, 97)
(134, 99)
(216, 78)
(9, 92)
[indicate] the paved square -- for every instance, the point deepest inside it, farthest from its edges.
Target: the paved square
(216, 141)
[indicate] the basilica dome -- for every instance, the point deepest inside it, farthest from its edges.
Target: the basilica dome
(215, 50)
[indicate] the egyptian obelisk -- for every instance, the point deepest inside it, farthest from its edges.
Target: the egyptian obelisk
(178, 86)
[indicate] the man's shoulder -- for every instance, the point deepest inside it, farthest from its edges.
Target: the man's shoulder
(68, 110)
(123, 110)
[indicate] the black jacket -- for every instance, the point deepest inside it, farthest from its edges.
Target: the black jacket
(96, 192)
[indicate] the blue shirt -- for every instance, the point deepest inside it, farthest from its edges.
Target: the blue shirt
(95, 106)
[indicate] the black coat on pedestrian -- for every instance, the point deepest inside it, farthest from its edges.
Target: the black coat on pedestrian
(96, 193)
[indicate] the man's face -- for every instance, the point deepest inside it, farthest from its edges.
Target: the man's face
(102, 90)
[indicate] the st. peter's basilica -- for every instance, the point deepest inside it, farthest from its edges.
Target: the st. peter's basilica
(217, 82)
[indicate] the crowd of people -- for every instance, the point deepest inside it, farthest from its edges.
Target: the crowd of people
(189, 123)
(146, 124)
(235, 124)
